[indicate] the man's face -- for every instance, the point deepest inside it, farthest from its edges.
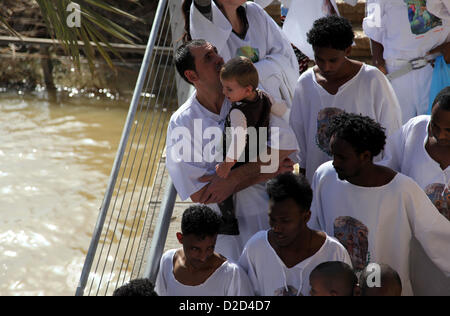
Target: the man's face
(346, 161)
(197, 250)
(439, 127)
(207, 64)
(330, 61)
(234, 91)
(287, 221)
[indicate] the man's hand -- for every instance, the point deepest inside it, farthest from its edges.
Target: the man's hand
(443, 49)
(287, 165)
(217, 190)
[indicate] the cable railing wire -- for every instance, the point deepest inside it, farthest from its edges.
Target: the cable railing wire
(110, 236)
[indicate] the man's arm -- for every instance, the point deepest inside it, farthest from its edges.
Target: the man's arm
(443, 49)
(377, 56)
(218, 189)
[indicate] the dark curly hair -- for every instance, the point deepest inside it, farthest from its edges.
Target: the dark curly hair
(362, 132)
(200, 221)
(289, 185)
(443, 98)
(136, 287)
(332, 31)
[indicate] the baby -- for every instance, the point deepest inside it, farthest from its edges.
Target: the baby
(251, 108)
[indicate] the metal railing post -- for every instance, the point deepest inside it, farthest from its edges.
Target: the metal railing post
(161, 231)
(122, 146)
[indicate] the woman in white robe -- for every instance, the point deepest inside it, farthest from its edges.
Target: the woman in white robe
(239, 28)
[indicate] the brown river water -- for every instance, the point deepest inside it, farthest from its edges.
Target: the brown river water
(55, 161)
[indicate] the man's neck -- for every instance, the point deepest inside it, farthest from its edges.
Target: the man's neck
(300, 249)
(349, 70)
(373, 176)
(211, 100)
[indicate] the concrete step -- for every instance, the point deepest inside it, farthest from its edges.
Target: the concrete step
(353, 14)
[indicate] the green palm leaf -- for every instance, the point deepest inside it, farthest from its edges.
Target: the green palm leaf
(89, 32)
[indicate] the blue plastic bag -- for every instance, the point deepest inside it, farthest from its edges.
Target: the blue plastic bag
(441, 79)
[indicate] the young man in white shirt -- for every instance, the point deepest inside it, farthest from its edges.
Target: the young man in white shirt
(372, 210)
(421, 150)
(196, 269)
(336, 84)
(278, 261)
(193, 147)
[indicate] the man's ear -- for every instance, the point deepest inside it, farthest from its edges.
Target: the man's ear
(191, 75)
(180, 237)
(348, 51)
(307, 216)
(366, 156)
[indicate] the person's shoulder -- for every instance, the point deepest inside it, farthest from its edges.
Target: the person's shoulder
(253, 7)
(230, 267)
(257, 240)
(373, 74)
(306, 75)
(333, 243)
(325, 170)
(419, 120)
(403, 183)
(254, 10)
(169, 254)
(184, 114)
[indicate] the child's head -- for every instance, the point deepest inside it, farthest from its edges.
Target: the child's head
(239, 78)
(136, 287)
(199, 228)
(333, 278)
(331, 38)
(380, 280)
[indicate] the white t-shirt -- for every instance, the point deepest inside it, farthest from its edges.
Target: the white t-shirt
(376, 224)
(192, 135)
(406, 31)
(272, 53)
(368, 93)
(228, 280)
(270, 276)
(405, 152)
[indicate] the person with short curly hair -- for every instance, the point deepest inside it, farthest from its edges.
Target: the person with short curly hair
(279, 260)
(196, 269)
(421, 150)
(336, 84)
(373, 210)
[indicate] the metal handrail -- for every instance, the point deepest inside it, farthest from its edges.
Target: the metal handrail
(122, 146)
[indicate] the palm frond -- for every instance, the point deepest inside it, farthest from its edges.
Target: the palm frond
(89, 32)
